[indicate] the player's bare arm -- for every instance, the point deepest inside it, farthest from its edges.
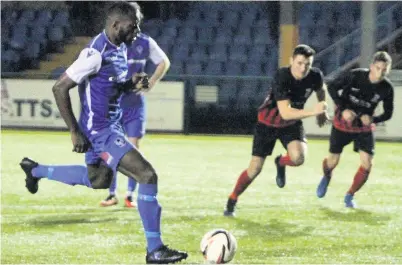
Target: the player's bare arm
(61, 94)
(323, 118)
(289, 113)
(159, 73)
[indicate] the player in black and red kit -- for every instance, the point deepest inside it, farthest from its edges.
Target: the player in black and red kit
(279, 117)
(362, 90)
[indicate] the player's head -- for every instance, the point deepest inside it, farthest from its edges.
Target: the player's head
(301, 61)
(140, 17)
(122, 22)
(380, 66)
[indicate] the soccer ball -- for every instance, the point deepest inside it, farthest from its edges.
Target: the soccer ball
(218, 246)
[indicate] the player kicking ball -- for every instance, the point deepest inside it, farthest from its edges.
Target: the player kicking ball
(354, 120)
(279, 117)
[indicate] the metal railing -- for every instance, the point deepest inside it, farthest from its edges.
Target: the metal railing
(346, 50)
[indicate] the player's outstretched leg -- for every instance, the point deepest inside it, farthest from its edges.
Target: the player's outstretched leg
(134, 164)
(243, 181)
(358, 182)
(111, 199)
(71, 174)
(131, 185)
(328, 165)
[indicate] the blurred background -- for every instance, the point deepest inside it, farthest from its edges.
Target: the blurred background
(224, 53)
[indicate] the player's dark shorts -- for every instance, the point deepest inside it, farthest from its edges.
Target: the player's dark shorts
(265, 137)
(363, 141)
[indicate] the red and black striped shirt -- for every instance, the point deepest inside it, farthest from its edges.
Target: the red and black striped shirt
(285, 86)
(355, 92)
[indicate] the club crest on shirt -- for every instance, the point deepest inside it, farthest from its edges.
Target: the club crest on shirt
(139, 49)
(120, 142)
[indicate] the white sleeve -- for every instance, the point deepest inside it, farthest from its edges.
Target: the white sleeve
(88, 63)
(155, 52)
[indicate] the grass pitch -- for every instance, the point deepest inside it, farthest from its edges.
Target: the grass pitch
(64, 225)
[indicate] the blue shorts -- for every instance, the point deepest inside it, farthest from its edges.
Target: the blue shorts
(108, 145)
(133, 122)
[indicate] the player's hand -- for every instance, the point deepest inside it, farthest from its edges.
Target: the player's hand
(366, 120)
(141, 82)
(81, 143)
(322, 119)
(320, 108)
(348, 115)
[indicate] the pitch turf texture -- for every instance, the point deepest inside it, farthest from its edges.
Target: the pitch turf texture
(63, 224)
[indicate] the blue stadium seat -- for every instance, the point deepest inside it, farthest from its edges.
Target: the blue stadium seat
(173, 22)
(61, 19)
(238, 53)
(18, 42)
(231, 18)
(227, 92)
(176, 68)
(193, 68)
(199, 53)
(205, 34)
(224, 35)
(180, 51)
(187, 34)
(263, 39)
(258, 52)
(233, 68)
(241, 39)
(218, 52)
(253, 69)
(262, 23)
(56, 34)
(213, 68)
(43, 19)
(170, 31)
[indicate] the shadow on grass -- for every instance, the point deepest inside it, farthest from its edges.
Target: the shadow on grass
(272, 229)
(72, 220)
(356, 215)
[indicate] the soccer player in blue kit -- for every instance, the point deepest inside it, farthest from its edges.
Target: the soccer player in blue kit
(101, 72)
(142, 49)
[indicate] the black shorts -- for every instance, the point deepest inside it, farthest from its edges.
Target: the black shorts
(363, 141)
(265, 137)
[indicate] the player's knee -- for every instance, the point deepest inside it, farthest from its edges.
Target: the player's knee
(367, 165)
(254, 171)
(298, 159)
(101, 179)
(148, 176)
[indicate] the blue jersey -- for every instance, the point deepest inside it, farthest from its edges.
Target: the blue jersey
(99, 70)
(142, 49)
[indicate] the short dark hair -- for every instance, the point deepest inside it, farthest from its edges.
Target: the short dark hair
(122, 9)
(382, 56)
(140, 15)
(303, 49)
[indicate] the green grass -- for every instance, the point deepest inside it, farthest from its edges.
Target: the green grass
(63, 224)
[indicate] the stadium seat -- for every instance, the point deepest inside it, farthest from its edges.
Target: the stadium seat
(193, 68)
(176, 68)
(227, 92)
(238, 53)
(180, 51)
(253, 69)
(218, 52)
(205, 34)
(214, 68)
(233, 68)
(43, 19)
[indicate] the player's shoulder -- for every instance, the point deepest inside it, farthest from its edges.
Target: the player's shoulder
(359, 71)
(283, 72)
(143, 36)
(316, 73)
(97, 43)
(388, 83)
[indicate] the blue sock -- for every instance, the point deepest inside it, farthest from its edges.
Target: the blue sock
(150, 212)
(71, 175)
(132, 183)
(113, 185)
